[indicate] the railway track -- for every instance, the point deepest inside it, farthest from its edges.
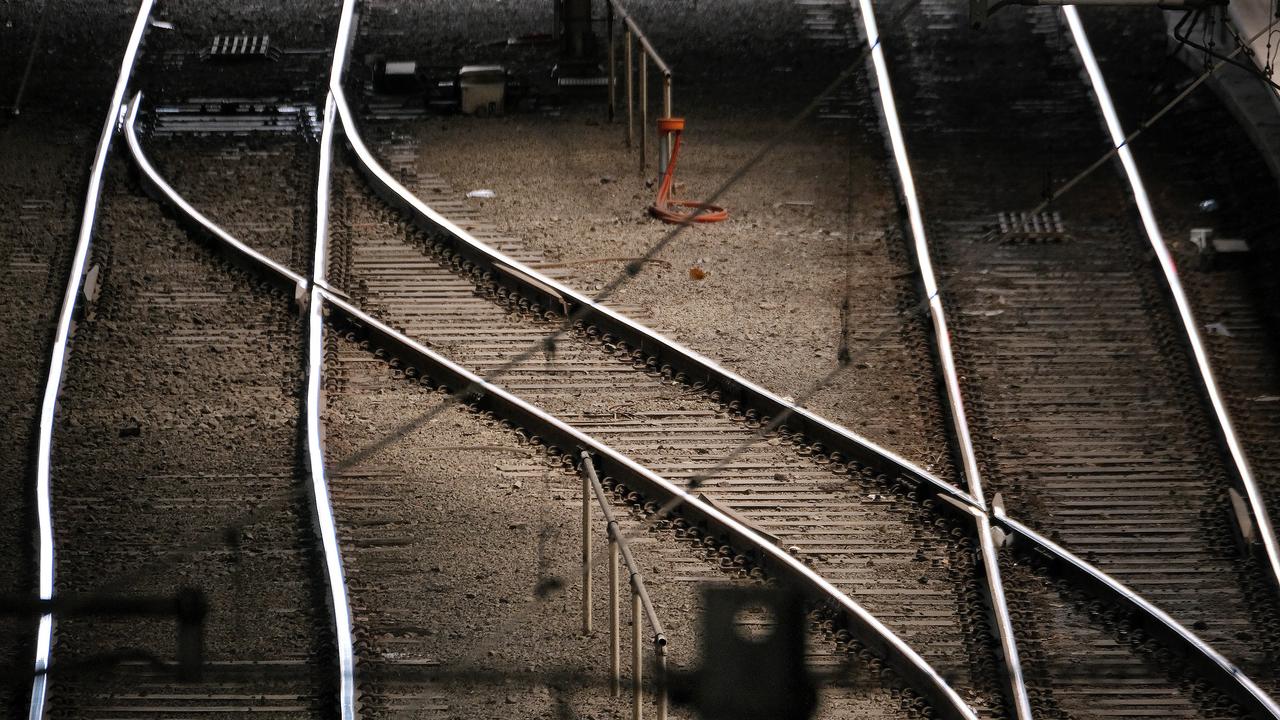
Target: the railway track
(416, 356)
(922, 574)
(163, 419)
(1233, 297)
(166, 389)
(882, 534)
(42, 169)
(1084, 410)
(558, 350)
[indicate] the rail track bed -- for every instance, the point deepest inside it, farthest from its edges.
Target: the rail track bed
(43, 155)
(1084, 412)
(910, 569)
(181, 398)
(449, 533)
(1196, 153)
(36, 218)
(179, 455)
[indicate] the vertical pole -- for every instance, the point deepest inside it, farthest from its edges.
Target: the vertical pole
(644, 108)
(613, 59)
(615, 634)
(630, 93)
(586, 553)
(637, 655)
(660, 651)
(666, 112)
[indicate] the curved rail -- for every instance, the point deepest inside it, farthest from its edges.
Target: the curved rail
(1233, 680)
(1223, 671)
(542, 289)
(321, 505)
(1226, 431)
(612, 463)
(58, 360)
(989, 564)
(531, 283)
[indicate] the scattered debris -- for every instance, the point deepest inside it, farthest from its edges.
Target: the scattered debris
(697, 273)
(1218, 328)
(483, 194)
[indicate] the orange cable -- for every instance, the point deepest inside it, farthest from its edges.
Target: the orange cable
(680, 211)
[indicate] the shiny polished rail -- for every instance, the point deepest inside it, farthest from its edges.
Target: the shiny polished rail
(1225, 431)
(874, 634)
(321, 504)
(997, 605)
(58, 359)
(541, 289)
(469, 387)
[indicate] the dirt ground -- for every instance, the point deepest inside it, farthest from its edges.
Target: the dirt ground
(813, 226)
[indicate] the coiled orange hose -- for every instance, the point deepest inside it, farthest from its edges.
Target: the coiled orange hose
(680, 211)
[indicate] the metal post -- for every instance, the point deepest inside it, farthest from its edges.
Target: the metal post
(660, 651)
(586, 553)
(666, 113)
(630, 93)
(613, 60)
(644, 108)
(615, 634)
(637, 656)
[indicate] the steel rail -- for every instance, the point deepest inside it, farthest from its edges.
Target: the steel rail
(865, 626)
(58, 360)
(1105, 587)
(321, 503)
(550, 293)
(531, 283)
(1241, 471)
(988, 563)
(614, 464)
(1225, 674)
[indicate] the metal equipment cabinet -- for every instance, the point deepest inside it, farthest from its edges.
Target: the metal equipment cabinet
(483, 89)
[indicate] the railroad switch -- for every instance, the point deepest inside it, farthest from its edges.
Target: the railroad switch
(753, 645)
